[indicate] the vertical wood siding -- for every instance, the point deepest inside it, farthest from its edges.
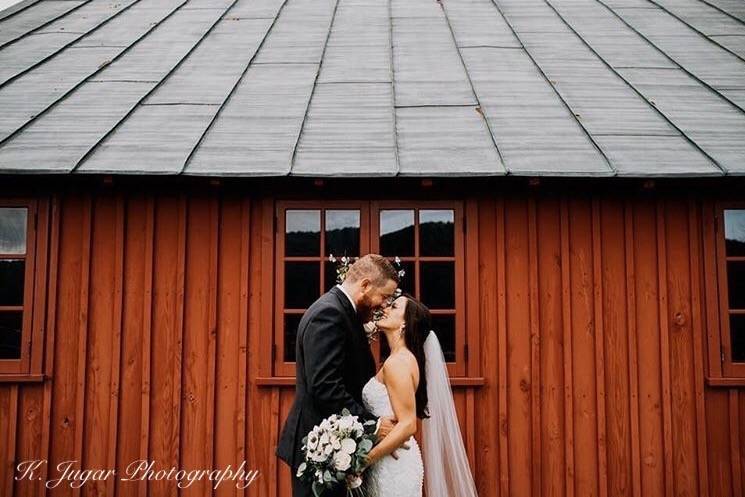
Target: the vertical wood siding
(587, 313)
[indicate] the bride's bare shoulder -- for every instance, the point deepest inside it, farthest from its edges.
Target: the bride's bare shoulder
(401, 365)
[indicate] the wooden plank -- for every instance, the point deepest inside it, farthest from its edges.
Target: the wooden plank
(600, 364)
(534, 332)
(83, 333)
(633, 351)
(568, 364)
(519, 348)
(503, 410)
(550, 303)
(664, 348)
(697, 327)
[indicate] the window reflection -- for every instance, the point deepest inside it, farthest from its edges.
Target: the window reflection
(736, 284)
(444, 327)
(343, 232)
(11, 324)
(737, 336)
(397, 233)
(13, 230)
(437, 285)
(11, 281)
(291, 324)
(437, 233)
(734, 231)
(302, 284)
(302, 233)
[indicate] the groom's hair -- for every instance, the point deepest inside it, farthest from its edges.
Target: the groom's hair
(373, 266)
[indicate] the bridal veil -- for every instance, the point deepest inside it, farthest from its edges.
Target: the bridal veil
(446, 469)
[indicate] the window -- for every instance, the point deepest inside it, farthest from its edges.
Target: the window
(731, 278)
(18, 262)
(426, 236)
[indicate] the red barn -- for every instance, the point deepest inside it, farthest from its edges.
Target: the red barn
(561, 178)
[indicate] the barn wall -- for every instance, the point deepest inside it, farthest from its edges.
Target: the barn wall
(591, 344)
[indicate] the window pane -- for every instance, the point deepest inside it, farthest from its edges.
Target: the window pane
(303, 232)
(737, 336)
(330, 275)
(409, 279)
(291, 322)
(736, 284)
(343, 232)
(437, 233)
(734, 231)
(397, 233)
(13, 230)
(11, 324)
(302, 283)
(437, 284)
(11, 281)
(444, 327)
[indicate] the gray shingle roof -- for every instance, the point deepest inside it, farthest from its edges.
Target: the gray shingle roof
(374, 87)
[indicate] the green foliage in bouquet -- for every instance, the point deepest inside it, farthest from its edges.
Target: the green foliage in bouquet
(336, 452)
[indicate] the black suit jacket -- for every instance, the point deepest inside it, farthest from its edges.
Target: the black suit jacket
(333, 363)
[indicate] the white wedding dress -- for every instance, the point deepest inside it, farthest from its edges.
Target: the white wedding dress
(389, 477)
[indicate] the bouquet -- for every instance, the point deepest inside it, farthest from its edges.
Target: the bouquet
(336, 452)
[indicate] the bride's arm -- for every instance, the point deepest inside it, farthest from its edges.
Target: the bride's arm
(402, 392)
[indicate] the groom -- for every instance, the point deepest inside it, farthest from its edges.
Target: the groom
(334, 360)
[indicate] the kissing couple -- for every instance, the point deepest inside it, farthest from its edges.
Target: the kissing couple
(335, 370)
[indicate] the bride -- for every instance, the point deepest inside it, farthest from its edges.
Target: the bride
(413, 383)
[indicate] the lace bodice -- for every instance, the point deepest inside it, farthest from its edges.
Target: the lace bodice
(389, 477)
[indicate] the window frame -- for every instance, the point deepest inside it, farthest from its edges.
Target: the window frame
(369, 242)
(729, 369)
(280, 366)
(29, 366)
(457, 368)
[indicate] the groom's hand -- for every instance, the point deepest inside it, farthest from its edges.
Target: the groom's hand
(386, 425)
(404, 445)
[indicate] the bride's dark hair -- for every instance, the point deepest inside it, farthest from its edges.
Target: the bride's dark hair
(418, 323)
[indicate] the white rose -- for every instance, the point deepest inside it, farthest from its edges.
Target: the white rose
(312, 440)
(335, 442)
(328, 449)
(348, 445)
(342, 461)
(324, 438)
(346, 423)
